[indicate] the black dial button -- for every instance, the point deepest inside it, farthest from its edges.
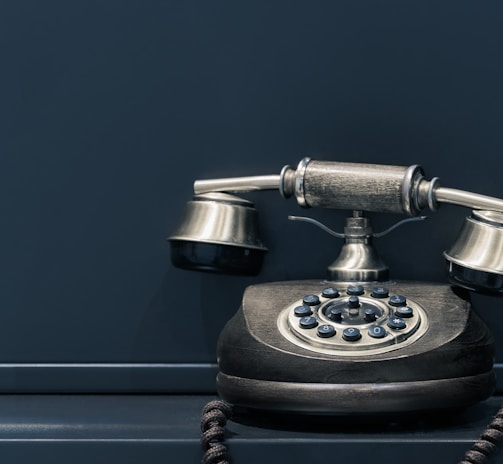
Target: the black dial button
(404, 311)
(353, 302)
(351, 334)
(326, 331)
(302, 311)
(308, 322)
(397, 300)
(377, 331)
(334, 314)
(311, 300)
(397, 323)
(355, 290)
(380, 292)
(330, 292)
(370, 315)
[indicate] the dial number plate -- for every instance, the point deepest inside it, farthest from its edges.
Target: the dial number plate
(361, 324)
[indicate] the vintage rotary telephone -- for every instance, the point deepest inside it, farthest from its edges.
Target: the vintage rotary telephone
(356, 343)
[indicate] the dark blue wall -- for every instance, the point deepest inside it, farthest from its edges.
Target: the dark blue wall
(109, 110)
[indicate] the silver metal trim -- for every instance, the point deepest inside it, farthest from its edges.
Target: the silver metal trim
(408, 187)
(398, 224)
(282, 174)
(432, 201)
(237, 184)
(317, 224)
(478, 245)
(299, 182)
(468, 199)
(220, 219)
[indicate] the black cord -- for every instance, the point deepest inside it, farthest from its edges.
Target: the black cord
(216, 413)
(214, 418)
(489, 443)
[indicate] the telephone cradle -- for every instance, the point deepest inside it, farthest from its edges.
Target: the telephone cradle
(319, 347)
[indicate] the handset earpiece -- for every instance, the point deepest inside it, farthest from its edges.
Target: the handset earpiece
(218, 233)
(475, 261)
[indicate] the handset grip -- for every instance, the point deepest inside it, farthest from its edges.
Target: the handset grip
(355, 186)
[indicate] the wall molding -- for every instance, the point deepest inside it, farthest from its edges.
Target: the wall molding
(188, 378)
(107, 377)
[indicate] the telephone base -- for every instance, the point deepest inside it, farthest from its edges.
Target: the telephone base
(423, 349)
(354, 399)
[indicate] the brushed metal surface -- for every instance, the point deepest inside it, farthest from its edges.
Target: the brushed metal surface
(479, 245)
(368, 187)
(220, 218)
(467, 199)
(358, 260)
(237, 184)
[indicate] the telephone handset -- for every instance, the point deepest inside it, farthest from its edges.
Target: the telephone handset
(356, 342)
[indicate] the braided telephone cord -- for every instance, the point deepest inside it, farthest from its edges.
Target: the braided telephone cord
(488, 444)
(213, 420)
(216, 413)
